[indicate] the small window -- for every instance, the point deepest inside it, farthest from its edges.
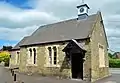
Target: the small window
(55, 55)
(30, 50)
(34, 50)
(18, 53)
(18, 56)
(101, 56)
(50, 55)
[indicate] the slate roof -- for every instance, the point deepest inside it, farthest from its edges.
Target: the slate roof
(21, 42)
(80, 44)
(61, 31)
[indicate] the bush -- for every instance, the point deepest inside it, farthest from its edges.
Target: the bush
(114, 63)
(4, 56)
(110, 55)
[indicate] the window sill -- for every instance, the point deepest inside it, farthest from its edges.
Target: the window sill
(102, 67)
(52, 65)
(31, 65)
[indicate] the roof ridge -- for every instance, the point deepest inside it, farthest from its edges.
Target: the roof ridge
(67, 20)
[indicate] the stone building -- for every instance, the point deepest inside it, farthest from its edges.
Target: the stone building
(75, 48)
(15, 54)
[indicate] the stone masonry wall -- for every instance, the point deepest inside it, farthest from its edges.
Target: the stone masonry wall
(23, 60)
(41, 66)
(98, 36)
(87, 62)
(63, 69)
(13, 59)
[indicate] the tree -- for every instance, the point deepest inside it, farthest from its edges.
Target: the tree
(6, 48)
(4, 56)
(110, 55)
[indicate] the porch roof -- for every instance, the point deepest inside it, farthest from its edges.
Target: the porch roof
(80, 45)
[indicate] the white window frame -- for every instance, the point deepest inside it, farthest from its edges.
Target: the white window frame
(56, 55)
(50, 59)
(17, 61)
(33, 56)
(30, 60)
(101, 55)
(47, 57)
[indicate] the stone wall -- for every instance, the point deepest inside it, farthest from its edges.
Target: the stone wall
(63, 69)
(41, 65)
(87, 62)
(13, 60)
(98, 37)
(23, 60)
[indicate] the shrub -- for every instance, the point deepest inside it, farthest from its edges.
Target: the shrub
(4, 56)
(114, 63)
(110, 55)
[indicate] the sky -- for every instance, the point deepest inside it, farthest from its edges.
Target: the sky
(19, 18)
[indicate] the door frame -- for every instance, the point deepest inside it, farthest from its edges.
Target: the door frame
(79, 76)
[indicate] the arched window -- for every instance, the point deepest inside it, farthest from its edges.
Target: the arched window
(30, 50)
(50, 55)
(18, 56)
(34, 50)
(55, 55)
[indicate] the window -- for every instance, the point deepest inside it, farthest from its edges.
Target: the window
(34, 50)
(101, 56)
(50, 55)
(18, 55)
(32, 56)
(52, 58)
(55, 55)
(30, 50)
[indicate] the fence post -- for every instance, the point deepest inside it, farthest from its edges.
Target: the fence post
(14, 77)
(11, 70)
(12, 73)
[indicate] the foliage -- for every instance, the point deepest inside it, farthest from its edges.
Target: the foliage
(6, 48)
(4, 56)
(114, 63)
(112, 56)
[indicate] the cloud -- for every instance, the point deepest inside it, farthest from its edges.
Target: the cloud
(16, 34)
(109, 8)
(13, 17)
(26, 18)
(14, 21)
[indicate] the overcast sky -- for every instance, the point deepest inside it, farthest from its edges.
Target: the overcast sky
(19, 18)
